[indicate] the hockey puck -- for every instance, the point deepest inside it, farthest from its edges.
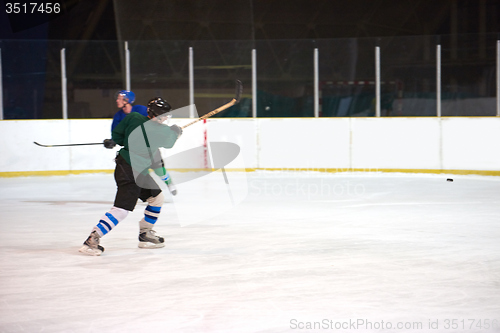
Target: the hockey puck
(449, 180)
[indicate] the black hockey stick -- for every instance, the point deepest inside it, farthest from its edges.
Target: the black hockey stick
(69, 144)
(235, 100)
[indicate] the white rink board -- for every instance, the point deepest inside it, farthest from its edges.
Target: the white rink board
(471, 143)
(401, 143)
(304, 143)
(86, 157)
(274, 143)
(18, 153)
(241, 132)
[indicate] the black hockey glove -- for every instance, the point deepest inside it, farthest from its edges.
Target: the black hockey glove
(109, 143)
(176, 129)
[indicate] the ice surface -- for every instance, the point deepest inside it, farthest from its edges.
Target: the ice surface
(303, 252)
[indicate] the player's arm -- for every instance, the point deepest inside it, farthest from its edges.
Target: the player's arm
(118, 134)
(110, 143)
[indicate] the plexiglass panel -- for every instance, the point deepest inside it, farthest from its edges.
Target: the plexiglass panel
(285, 70)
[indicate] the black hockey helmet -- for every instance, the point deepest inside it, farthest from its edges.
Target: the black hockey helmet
(157, 107)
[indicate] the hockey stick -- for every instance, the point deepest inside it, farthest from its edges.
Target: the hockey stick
(68, 145)
(235, 100)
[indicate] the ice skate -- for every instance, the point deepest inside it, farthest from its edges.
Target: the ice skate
(172, 188)
(149, 240)
(91, 246)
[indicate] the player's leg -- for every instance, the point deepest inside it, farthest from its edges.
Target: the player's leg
(107, 222)
(147, 236)
(126, 198)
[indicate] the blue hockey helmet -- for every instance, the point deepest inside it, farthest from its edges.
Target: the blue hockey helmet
(128, 96)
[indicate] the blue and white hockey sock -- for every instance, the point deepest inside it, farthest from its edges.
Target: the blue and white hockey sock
(152, 212)
(110, 220)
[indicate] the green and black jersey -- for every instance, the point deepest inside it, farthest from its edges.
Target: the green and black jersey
(141, 138)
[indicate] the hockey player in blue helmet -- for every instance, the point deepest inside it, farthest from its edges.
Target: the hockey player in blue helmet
(124, 100)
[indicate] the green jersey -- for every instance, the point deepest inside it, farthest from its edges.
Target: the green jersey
(141, 137)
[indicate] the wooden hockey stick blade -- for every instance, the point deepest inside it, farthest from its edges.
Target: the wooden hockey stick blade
(69, 144)
(239, 91)
(235, 100)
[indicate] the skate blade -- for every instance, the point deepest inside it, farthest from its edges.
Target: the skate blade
(89, 251)
(149, 245)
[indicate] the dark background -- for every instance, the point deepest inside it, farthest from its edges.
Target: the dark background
(255, 19)
(223, 32)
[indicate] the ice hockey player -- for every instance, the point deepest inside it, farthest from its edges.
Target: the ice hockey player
(129, 190)
(124, 101)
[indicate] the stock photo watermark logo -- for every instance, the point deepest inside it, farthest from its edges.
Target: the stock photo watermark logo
(309, 183)
(318, 189)
(207, 189)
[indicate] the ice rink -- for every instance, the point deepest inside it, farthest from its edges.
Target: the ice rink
(294, 252)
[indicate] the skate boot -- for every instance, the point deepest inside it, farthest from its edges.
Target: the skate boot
(91, 246)
(168, 181)
(149, 240)
(172, 188)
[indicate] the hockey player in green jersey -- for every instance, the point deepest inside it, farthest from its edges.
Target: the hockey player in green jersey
(124, 101)
(140, 137)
